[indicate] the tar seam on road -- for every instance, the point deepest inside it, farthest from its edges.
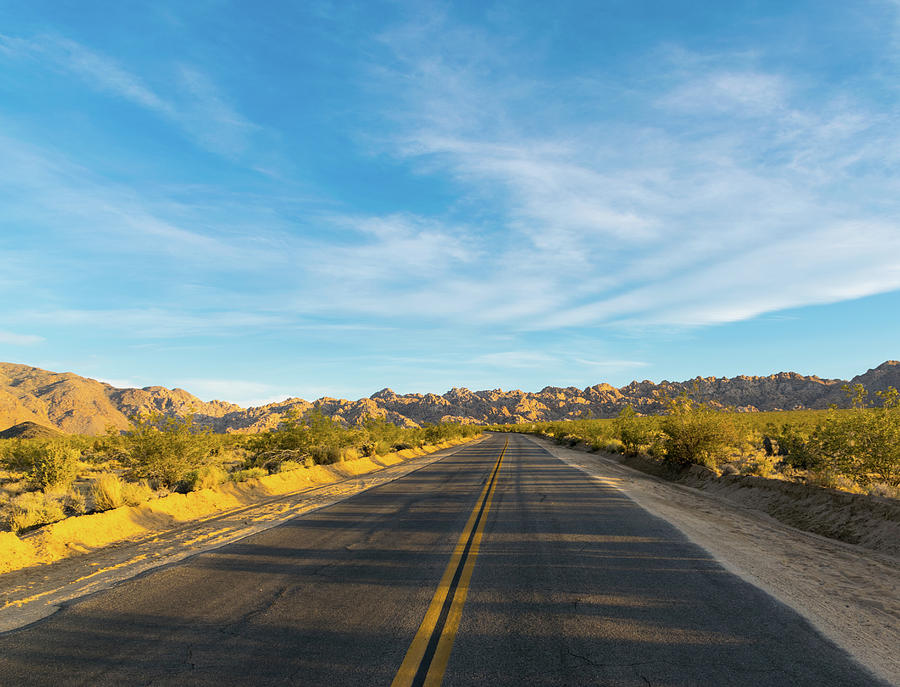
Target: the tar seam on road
(427, 656)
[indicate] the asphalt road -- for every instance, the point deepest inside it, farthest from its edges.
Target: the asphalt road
(469, 570)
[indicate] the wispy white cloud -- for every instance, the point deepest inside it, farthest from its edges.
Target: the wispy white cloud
(14, 339)
(612, 364)
(514, 359)
(54, 192)
(156, 323)
(748, 93)
(688, 220)
(189, 99)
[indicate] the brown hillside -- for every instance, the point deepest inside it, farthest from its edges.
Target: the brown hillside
(81, 405)
(29, 430)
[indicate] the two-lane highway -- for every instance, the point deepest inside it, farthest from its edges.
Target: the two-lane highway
(491, 566)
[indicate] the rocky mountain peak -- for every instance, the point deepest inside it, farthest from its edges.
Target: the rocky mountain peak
(81, 405)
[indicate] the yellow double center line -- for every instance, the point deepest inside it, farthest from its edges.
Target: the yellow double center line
(426, 659)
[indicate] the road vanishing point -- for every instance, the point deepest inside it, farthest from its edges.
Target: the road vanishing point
(497, 565)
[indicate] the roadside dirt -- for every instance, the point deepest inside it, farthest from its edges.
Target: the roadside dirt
(29, 594)
(849, 593)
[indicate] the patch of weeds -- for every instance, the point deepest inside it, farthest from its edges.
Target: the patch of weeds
(33, 509)
(106, 492)
(247, 474)
(206, 477)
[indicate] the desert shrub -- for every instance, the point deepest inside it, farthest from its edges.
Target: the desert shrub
(206, 477)
(288, 465)
(74, 503)
(695, 433)
(136, 493)
(326, 455)
(54, 465)
(106, 492)
(163, 450)
(885, 491)
(109, 446)
(761, 466)
(633, 431)
(613, 446)
(832, 480)
(246, 474)
(33, 509)
(797, 446)
(864, 444)
(20, 454)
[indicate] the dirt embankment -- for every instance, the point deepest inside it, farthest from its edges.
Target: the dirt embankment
(872, 522)
(849, 592)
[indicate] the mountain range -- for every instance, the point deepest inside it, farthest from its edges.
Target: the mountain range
(79, 405)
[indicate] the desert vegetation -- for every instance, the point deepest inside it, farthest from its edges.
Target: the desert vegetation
(854, 449)
(45, 479)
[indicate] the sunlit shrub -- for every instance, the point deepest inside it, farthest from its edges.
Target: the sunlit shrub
(247, 474)
(206, 477)
(32, 509)
(106, 492)
(695, 433)
(163, 450)
(613, 446)
(55, 465)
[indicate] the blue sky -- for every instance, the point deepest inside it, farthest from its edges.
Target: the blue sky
(260, 200)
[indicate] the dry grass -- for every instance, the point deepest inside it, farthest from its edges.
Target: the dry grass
(106, 492)
(32, 509)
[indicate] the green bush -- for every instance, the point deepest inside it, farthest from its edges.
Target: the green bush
(249, 473)
(163, 450)
(798, 447)
(633, 431)
(613, 446)
(206, 477)
(136, 493)
(695, 433)
(20, 454)
(33, 509)
(54, 466)
(865, 443)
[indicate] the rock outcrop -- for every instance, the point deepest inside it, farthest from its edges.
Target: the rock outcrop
(80, 405)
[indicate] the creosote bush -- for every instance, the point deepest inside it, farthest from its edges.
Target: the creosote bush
(205, 477)
(163, 450)
(633, 431)
(695, 433)
(317, 439)
(54, 465)
(865, 443)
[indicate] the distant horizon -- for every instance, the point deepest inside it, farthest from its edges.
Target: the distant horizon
(306, 199)
(473, 390)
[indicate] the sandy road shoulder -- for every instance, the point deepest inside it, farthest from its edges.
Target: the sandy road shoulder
(850, 594)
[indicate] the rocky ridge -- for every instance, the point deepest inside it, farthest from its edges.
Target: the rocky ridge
(80, 405)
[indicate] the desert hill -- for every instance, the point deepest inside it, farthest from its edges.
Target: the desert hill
(29, 430)
(79, 405)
